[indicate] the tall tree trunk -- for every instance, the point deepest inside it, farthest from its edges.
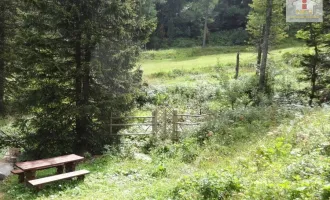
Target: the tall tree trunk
(2, 65)
(171, 30)
(260, 49)
(313, 84)
(262, 78)
(205, 32)
(314, 67)
(86, 93)
(259, 54)
(205, 23)
(78, 88)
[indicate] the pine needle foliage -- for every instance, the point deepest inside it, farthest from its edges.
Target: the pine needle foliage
(78, 61)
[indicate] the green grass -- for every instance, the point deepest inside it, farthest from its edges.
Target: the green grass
(198, 62)
(260, 176)
(258, 153)
(156, 70)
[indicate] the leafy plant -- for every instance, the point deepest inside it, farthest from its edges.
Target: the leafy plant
(210, 186)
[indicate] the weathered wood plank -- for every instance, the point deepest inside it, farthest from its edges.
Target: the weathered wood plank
(184, 123)
(132, 117)
(137, 124)
(187, 115)
(50, 179)
(131, 134)
(50, 162)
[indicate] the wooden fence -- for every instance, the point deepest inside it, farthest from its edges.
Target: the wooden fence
(152, 124)
(178, 121)
(165, 123)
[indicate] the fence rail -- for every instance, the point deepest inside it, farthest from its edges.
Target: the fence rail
(153, 124)
(133, 117)
(164, 122)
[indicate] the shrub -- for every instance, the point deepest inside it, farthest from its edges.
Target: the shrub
(210, 186)
(187, 150)
(303, 169)
(242, 91)
(292, 59)
(185, 42)
(326, 192)
(240, 124)
(229, 37)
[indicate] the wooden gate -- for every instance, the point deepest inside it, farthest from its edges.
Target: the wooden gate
(164, 123)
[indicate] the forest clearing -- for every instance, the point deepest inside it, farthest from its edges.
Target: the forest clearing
(164, 99)
(254, 153)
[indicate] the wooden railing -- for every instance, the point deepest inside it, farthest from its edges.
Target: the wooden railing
(161, 123)
(153, 123)
(176, 122)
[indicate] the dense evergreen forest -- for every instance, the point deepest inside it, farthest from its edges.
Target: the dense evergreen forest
(182, 23)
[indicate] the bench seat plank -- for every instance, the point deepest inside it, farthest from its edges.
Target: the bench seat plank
(50, 179)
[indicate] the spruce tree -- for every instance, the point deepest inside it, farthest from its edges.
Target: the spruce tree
(316, 63)
(257, 24)
(77, 64)
(7, 34)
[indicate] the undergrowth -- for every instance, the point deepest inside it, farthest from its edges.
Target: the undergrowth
(285, 159)
(251, 147)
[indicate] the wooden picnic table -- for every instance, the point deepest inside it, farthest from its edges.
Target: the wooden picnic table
(67, 162)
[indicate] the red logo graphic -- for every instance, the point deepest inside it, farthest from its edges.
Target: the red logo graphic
(304, 4)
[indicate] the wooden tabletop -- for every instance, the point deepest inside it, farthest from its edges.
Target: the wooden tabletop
(49, 162)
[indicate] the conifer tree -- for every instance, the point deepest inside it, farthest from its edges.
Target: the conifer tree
(77, 64)
(257, 24)
(7, 33)
(316, 64)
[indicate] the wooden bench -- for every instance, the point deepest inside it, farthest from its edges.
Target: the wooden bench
(39, 183)
(27, 170)
(20, 174)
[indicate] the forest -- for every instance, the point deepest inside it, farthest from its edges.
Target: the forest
(166, 99)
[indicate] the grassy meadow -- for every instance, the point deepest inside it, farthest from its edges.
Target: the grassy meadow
(157, 64)
(273, 151)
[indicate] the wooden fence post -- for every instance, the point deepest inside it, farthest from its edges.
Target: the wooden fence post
(237, 65)
(175, 125)
(154, 122)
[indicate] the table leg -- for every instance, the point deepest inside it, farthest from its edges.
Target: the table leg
(30, 175)
(60, 169)
(39, 187)
(70, 167)
(81, 178)
(21, 177)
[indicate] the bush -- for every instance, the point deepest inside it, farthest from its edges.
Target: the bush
(292, 59)
(326, 192)
(187, 150)
(242, 91)
(230, 126)
(229, 38)
(303, 169)
(210, 186)
(185, 42)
